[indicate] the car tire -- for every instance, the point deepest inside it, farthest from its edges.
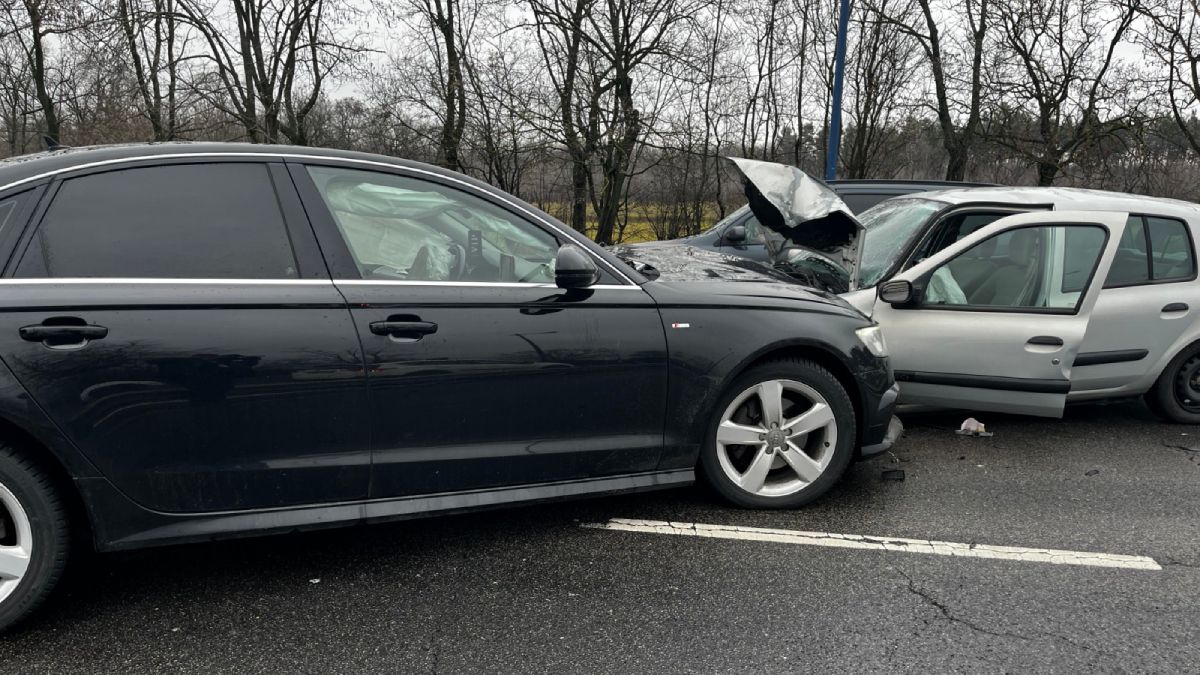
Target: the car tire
(795, 449)
(35, 535)
(1175, 396)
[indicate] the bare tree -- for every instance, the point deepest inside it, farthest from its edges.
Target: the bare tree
(1061, 78)
(271, 69)
(36, 24)
(560, 27)
(957, 82)
(1173, 40)
(882, 70)
(155, 44)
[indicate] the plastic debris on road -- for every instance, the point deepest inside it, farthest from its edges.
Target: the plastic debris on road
(973, 427)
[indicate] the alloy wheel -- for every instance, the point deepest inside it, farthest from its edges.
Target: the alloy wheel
(16, 542)
(776, 438)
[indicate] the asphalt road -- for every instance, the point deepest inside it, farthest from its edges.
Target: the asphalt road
(530, 590)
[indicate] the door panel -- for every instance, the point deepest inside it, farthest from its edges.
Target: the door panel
(481, 372)
(1144, 311)
(1005, 340)
(518, 384)
(202, 397)
(1131, 331)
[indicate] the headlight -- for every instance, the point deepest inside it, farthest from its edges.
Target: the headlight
(872, 337)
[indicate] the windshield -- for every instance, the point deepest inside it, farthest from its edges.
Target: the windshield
(890, 225)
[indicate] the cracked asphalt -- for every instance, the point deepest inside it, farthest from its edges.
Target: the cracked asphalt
(529, 590)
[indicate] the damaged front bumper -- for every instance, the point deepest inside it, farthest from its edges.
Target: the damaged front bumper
(886, 428)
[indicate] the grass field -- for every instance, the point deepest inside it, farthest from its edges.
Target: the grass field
(642, 221)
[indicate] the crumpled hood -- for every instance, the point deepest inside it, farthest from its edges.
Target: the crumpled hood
(804, 210)
(708, 273)
(678, 262)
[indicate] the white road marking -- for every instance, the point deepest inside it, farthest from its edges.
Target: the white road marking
(834, 540)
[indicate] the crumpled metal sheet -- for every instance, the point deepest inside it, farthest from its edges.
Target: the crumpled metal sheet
(798, 196)
(808, 213)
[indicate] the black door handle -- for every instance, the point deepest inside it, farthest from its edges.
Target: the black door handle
(63, 332)
(1176, 307)
(1048, 340)
(404, 329)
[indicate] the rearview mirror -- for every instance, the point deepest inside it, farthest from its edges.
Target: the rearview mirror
(736, 234)
(573, 268)
(897, 293)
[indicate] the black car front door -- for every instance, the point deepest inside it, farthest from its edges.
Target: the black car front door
(189, 342)
(481, 372)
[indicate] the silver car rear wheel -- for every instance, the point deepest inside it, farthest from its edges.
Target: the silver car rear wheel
(776, 438)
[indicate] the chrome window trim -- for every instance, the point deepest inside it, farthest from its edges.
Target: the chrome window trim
(476, 284)
(168, 281)
(50, 281)
(286, 155)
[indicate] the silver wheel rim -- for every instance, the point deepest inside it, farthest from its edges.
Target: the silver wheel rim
(776, 438)
(17, 544)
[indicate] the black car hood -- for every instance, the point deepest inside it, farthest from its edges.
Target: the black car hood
(673, 262)
(676, 261)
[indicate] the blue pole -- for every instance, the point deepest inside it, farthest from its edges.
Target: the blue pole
(839, 72)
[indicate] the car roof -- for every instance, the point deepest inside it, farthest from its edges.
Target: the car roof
(898, 185)
(23, 168)
(1066, 199)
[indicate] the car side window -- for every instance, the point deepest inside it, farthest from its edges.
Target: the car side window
(181, 221)
(1044, 267)
(8, 210)
(400, 228)
(1152, 249)
(1130, 265)
(1171, 255)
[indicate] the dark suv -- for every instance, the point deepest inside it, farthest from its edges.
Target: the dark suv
(200, 341)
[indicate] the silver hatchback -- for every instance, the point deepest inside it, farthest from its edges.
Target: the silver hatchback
(1011, 299)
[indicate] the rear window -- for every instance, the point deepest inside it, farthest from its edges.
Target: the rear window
(1152, 249)
(1170, 250)
(197, 221)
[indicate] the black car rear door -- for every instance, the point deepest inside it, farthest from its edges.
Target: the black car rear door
(482, 372)
(187, 339)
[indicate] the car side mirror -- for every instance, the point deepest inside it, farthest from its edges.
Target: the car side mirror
(574, 268)
(898, 293)
(736, 234)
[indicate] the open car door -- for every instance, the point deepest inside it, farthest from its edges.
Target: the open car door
(819, 236)
(994, 321)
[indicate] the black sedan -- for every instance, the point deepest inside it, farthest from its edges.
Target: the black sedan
(211, 340)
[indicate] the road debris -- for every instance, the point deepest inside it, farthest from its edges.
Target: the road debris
(973, 427)
(892, 474)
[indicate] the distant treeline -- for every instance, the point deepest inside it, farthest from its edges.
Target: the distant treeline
(608, 112)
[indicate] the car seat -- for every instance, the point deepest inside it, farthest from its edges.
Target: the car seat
(1015, 279)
